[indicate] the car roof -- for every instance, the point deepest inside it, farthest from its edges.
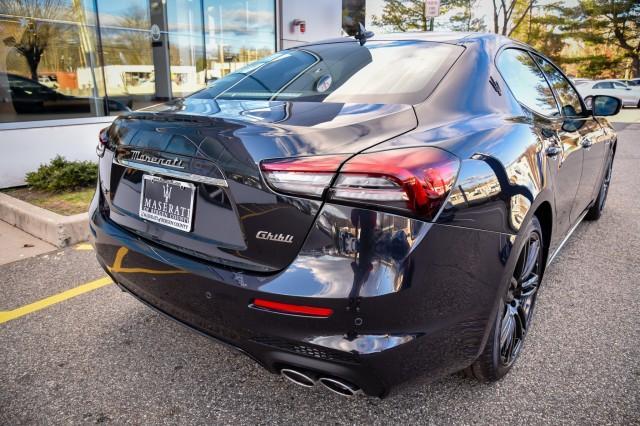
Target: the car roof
(440, 37)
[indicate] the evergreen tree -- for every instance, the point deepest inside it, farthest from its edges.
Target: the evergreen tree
(609, 23)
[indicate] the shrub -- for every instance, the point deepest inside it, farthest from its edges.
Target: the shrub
(62, 175)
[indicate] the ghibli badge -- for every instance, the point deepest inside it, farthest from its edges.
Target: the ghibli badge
(280, 238)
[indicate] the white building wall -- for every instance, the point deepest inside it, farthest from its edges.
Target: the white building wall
(323, 20)
(23, 150)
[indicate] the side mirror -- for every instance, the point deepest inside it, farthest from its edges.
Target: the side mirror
(604, 106)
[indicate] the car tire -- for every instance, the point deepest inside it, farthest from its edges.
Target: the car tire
(515, 313)
(596, 210)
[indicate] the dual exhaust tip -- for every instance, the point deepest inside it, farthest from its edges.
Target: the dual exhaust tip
(309, 380)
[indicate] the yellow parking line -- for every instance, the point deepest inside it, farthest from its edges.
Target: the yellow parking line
(52, 300)
(84, 246)
(117, 266)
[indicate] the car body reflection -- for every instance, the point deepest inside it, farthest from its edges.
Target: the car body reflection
(371, 247)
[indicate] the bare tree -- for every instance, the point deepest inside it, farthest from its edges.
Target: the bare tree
(504, 21)
(32, 37)
(130, 47)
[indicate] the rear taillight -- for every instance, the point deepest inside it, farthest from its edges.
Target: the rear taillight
(103, 141)
(308, 176)
(413, 181)
(288, 308)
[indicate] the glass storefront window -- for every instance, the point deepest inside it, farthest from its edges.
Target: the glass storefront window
(127, 53)
(47, 62)
(82, 58)
(187, 63)
(237, 32)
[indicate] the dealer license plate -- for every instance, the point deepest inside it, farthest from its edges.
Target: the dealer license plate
(167, 202)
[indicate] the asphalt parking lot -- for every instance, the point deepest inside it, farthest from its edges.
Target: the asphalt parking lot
(96, 355)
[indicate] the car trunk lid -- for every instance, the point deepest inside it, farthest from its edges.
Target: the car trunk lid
(201, 158)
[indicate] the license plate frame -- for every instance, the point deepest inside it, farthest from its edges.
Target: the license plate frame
(160, 209)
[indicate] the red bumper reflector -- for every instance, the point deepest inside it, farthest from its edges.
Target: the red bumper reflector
(292, 309)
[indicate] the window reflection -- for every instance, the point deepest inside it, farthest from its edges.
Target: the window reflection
(46, 62)
(568, 97)
(187, 63)
(526, 81)
(152, 51)
(378, 72)
(237, 33)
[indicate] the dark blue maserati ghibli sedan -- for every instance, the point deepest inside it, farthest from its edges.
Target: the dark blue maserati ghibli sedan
(354, 213)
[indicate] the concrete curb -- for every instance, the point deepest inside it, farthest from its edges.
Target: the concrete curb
(54, 228)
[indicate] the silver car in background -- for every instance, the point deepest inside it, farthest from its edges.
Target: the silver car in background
(630, 95)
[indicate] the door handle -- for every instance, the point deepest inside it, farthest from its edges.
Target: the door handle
(553, 151)
(586, 143)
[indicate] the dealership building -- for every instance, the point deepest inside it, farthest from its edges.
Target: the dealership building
(68, 67)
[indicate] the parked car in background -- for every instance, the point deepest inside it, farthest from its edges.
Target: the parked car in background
(630, 96)
(634, 82)
(49, 80)
(355, 214)
(33, 97)
(578, 81)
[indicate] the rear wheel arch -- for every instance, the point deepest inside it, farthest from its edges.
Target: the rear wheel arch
(544, 214)
(487, 366)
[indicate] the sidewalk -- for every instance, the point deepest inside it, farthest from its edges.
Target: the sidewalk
(16, 244)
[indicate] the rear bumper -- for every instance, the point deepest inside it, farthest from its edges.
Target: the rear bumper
(410, 300)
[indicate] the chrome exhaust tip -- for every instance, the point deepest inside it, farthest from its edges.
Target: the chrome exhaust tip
(298, 377)
(340, 387)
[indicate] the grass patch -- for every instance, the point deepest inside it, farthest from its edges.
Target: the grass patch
(66, 203)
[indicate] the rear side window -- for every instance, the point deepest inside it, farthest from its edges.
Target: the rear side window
(569, 99)
(604, 85)
(398, 72)
(526, 81)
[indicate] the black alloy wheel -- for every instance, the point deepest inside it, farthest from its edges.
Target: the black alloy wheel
(515, 311)
(520, 300)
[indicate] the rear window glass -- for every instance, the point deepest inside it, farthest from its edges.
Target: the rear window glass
(401, 72)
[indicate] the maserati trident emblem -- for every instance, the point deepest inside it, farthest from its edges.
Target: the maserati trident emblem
(167, 192)
(280, 238)
(152, 159)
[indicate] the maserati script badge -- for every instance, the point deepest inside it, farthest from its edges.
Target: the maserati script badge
(146, 158)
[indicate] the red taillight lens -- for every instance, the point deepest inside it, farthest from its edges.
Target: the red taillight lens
(288, 308)
(103, 141)
(416, 180)
(408, 180)
(309, 176)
